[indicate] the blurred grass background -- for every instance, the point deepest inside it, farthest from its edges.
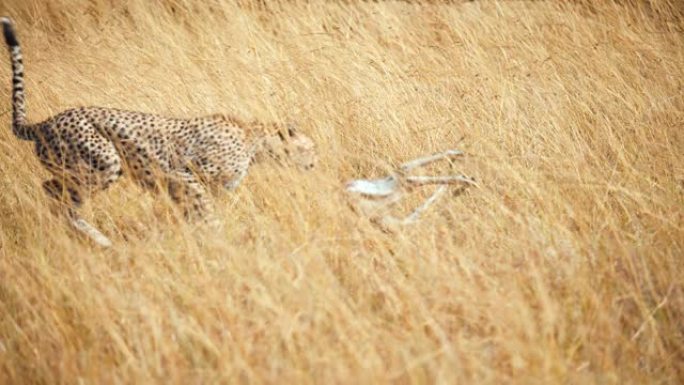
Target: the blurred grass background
(565, 266)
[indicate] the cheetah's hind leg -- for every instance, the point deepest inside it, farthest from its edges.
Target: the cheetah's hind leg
(89, 230)
(54, 189)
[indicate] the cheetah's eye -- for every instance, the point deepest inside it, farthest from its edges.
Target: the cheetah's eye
(280, 134)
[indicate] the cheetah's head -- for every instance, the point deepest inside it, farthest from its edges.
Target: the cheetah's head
(290, 146)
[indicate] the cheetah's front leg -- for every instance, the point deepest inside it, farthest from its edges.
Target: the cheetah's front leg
(186, 191)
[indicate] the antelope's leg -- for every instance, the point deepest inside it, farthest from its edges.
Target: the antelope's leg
(421, 209)
(429, 159)
(451, 179)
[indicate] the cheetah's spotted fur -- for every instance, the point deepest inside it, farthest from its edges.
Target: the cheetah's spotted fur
(87, 149)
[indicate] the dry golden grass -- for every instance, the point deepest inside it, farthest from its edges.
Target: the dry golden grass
(565, 266)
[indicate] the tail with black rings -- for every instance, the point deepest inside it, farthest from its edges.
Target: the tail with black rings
(20, 126)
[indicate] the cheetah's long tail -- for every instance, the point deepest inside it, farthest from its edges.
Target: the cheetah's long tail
(20, 128)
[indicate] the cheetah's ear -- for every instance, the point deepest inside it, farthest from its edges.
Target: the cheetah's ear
(291, 129)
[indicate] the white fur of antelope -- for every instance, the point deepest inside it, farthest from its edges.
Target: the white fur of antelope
(374, 197)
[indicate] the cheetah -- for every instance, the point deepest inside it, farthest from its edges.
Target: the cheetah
(87, 149)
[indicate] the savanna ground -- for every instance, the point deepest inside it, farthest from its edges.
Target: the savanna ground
(564, 266)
